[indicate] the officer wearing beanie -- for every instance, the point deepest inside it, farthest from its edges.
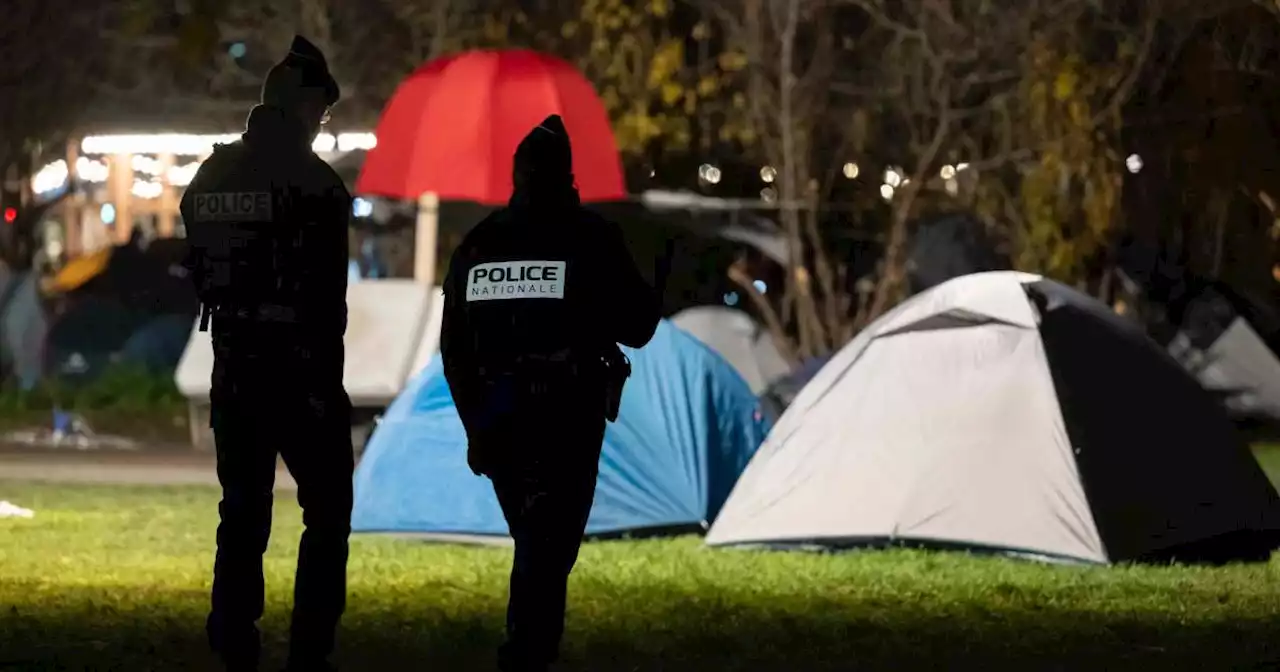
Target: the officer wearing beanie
(266, 223)
(537, 298)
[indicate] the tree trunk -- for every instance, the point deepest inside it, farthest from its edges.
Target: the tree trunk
(808, 322)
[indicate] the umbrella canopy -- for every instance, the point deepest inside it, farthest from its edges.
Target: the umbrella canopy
(453, 125)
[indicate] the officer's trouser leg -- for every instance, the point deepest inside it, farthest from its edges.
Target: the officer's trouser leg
(246, 471)
(547, 516)
(321, 461)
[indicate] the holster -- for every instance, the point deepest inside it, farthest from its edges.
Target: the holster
(617, 368)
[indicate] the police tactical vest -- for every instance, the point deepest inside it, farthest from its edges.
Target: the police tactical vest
(246, 226)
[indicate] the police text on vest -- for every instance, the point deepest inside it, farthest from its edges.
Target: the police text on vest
(516, 280)
(244, 206)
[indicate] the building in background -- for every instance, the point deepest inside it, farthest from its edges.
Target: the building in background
(131, 183)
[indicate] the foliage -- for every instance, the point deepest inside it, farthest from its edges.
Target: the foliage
(789, 62)
(655, 65)
(45, 76)
(1016, 118)
(120, 389)
(119, 576)
(1070, 194)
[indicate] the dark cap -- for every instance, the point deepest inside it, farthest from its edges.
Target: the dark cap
(545, 151)
(307, 69)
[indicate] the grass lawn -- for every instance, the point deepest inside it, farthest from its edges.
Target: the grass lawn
(116, 578)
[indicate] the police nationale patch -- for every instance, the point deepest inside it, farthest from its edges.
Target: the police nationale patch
(243, 206)
(516, 280)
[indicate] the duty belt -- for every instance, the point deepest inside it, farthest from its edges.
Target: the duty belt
(563, 361)
(262, 312)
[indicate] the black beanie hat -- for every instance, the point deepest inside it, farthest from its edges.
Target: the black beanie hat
(545, 152)
(303, 67)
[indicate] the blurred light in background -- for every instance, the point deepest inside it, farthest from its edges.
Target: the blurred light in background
(200, 145)
(237, 50)
(350, 142)
(181, 176)
(361, 207)
(50, 178)
(761, 286)
(768, 174)
(709, 173)
(108, 213)
(731, 298)
(90, 170)
(1133, 163)
(851, 170)
(886, 192)
(147, 189)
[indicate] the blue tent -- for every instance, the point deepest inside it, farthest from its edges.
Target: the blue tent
(687, 428)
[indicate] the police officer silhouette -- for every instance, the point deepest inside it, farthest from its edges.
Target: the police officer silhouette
(267, 229)
(537, 298)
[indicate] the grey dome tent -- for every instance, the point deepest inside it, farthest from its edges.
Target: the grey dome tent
(739, 339)
(1006, 413)
(1220, 345)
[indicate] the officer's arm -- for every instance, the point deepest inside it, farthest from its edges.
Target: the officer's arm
(457, 350)
(194, 261)
(632, 309)
(338, 252)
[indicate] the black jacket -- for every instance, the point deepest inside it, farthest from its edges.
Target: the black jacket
(541, 284)
(266, 222)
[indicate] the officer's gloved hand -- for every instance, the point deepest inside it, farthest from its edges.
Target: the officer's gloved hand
(476, 461)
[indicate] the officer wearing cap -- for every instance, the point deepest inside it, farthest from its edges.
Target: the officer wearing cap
(266, 224)
(537, 298)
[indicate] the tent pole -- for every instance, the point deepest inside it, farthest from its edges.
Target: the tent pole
(424, 238)
(73, 209)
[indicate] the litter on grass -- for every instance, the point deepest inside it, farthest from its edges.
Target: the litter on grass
(11, 510)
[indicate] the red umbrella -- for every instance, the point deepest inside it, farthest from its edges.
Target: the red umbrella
(453, 125)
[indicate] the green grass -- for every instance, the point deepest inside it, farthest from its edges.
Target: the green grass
(116, 578)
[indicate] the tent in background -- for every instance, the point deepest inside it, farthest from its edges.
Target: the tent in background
(384, 327)
(783, 391)
(129, 304)
(1222, 348)
(739, 339)
(429, 344)
(687, 427)
(23, 327)
(1004, 412)
(948, 246)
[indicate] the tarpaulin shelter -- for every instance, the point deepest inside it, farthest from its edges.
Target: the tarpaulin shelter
(452, 127)
(385, 319)
(687, 427)
(24, 327)
(1009, 413)
(124, 304)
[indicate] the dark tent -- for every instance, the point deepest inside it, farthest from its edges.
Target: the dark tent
(949, 246)
(138, 310)
(778, 396)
